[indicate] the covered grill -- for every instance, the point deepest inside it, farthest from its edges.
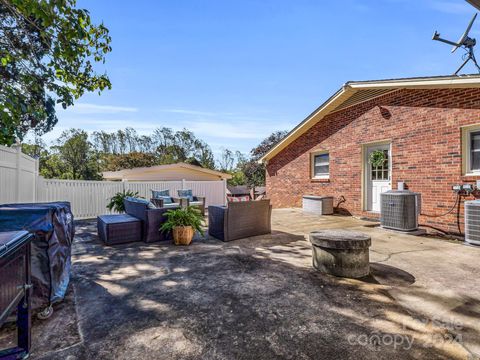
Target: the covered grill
(53, 230)
(15, 288)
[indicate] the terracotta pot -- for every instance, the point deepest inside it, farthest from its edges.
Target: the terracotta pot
(183, 235)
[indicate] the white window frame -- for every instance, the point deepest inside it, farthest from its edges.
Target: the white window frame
(312, 165)
(467, 150)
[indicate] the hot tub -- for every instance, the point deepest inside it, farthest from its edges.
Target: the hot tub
(320, 205)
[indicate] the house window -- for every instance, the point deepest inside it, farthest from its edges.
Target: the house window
(320, 165)
(471, 150)
(474, 151)
(381, 172)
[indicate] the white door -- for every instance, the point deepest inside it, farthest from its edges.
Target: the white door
(377, 177)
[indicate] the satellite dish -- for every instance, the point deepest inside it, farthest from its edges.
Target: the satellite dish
(465, 34)
(465, 42)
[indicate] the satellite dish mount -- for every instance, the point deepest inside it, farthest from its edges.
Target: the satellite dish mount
(465, 42)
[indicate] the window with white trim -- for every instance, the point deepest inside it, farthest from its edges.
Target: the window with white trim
(320, 165)
(471, 149)
(474, 151)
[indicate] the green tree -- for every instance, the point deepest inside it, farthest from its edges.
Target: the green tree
(269, 142)
(53, 167)
(128, 161)
(253, 170)
(181, 146)
(226, 161)
(76, 155)
(204, 155)
(37, 149)
(48, 50)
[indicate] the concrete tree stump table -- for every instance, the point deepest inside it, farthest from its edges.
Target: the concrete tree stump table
(341, 253)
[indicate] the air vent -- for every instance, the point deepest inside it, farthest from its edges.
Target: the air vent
(399, 210)
(472, 222)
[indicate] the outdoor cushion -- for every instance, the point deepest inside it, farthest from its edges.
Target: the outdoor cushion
(166, 199)
(141, 201)
(171, 205)
(162, 194)
(186, 194)
(238, 198)
(195, 203)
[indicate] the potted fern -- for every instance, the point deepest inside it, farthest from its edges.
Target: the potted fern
(116, 202)
(183, 223)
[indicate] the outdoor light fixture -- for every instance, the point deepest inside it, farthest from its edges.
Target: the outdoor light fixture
(457, 188)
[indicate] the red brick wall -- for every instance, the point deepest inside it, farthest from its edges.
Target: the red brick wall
(423, 127)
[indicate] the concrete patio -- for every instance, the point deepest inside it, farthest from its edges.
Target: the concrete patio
(259, 298)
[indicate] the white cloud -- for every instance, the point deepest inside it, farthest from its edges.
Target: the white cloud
(189, 112)
(86, 108)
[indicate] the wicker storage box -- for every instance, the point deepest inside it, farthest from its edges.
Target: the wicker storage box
(321, 205)
(119, 229)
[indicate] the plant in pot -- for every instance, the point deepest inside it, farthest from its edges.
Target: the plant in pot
(116, 202)
(183, 223)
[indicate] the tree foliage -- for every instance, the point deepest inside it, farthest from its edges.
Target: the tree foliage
(165, 145)
(77, 160)
(76, 155)
(131, 160)
(249, 171)
(48, 50)
(269, 142)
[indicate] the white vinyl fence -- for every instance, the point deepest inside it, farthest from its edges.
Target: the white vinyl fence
(19, 182)
(18, 175)
(87, 198)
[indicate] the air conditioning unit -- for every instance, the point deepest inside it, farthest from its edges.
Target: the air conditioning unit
(472, 222)
(399, 210)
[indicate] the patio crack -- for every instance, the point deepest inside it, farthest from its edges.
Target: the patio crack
(389, 255)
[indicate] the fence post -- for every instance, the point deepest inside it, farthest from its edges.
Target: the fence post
(224, 191)
(18, 170)
(36, 174)
(40, 189)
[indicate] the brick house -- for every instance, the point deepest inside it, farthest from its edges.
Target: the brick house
(428, 128)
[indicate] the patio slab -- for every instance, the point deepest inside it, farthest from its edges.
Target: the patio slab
(260, 298)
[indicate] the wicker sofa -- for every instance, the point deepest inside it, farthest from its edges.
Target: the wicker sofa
(151, 219)
(240, 220)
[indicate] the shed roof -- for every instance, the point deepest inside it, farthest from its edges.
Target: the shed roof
(120, 174)
(356, 92)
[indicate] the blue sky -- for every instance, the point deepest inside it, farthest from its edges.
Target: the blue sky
(234, 71)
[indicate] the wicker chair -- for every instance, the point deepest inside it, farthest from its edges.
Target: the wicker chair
(152, 219)
(161, 201)
(196, 201)
(240, 220)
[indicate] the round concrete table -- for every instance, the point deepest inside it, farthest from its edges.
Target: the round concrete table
(341, 253)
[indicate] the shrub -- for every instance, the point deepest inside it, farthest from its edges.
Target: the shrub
(116, 202)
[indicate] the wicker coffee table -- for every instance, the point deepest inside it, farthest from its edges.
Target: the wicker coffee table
(119, 229)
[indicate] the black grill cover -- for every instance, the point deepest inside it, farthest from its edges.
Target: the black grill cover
(52, 225)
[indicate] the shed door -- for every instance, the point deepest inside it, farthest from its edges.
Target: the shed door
(378, 178)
